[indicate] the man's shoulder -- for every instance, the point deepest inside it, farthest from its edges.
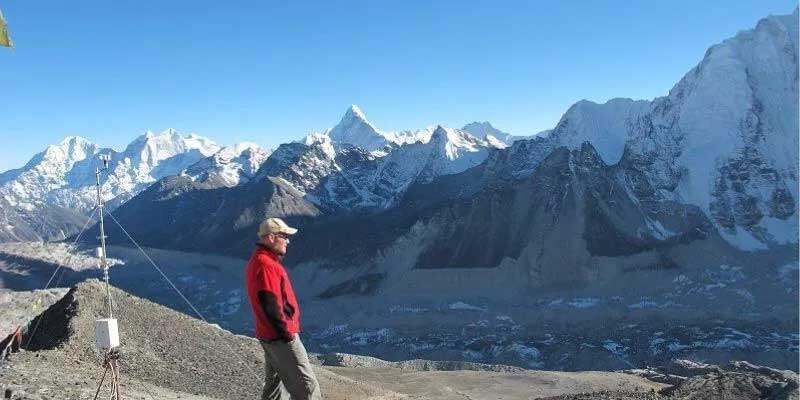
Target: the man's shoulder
(264, 260)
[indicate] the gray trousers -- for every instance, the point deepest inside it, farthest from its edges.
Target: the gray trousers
(288, 372)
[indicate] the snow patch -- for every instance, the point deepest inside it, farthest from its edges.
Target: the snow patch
(460, 305)
(584, 302)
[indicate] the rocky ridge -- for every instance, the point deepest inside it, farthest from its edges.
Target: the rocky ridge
(188, 358)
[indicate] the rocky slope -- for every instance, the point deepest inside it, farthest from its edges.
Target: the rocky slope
(188, 359)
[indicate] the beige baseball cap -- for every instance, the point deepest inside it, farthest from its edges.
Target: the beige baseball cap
(275, 225)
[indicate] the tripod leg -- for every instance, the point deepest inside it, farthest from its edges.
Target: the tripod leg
(115, 380)
(101, 383)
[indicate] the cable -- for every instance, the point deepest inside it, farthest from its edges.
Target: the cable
(49, 281)
(156, 267)
(256, 375)
(72, 245)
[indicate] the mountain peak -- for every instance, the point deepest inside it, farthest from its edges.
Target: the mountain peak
(355, 112)
(70, 150)
(354, 129)
(439, 133)
(485, 131)
(478, 125)
(166, 133)
(74, 140)
(354, 116)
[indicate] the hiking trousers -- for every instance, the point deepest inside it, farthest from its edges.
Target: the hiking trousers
(288, 372)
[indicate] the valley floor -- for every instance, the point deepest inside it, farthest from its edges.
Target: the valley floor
(714, 314)
(168, 355)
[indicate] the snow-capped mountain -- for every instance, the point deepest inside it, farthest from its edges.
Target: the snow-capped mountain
(147, 159)
(356, 167)
(312, 178)
(605, 126)
(27, 187)
(61, 179)
(352, 167)
(368, 182)
(448, 151)
(495, 137)
(230, 165)
(354, 129)
(725, 138)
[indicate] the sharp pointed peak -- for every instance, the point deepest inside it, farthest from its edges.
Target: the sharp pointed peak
(354, 115)
(355, 111)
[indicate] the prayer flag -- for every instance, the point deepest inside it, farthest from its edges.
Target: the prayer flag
(5, 40)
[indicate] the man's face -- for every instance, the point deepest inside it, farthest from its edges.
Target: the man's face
(276, 242)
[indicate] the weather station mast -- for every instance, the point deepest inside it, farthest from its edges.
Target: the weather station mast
(106, 330)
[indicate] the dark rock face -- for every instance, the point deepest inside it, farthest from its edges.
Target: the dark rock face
(499, 221)
(612, 208)
(738, 196)
(483, 215)
(177, 213)
(363, 285)
(54, 222)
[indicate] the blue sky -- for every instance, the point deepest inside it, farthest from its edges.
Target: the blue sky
(269, 72)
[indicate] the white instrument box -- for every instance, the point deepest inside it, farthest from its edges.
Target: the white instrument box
(106, 333)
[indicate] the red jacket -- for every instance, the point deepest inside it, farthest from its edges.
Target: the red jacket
(275, 309)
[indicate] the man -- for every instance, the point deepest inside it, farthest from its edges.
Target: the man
(277, 317)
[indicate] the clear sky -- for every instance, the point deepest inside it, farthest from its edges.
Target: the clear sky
(269, 72)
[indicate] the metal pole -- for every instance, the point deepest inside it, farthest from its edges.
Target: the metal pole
(103, 261)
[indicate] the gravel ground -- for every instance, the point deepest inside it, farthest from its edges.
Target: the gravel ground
(530, 384)
(18, 308)
(605, 395)
(162, 350)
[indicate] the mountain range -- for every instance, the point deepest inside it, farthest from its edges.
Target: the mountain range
(714, 161)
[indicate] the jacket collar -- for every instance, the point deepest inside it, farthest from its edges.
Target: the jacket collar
(261, 247)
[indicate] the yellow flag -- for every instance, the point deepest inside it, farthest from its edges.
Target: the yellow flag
(5, 40)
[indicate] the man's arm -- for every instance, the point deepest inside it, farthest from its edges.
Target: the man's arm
(274, 312)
